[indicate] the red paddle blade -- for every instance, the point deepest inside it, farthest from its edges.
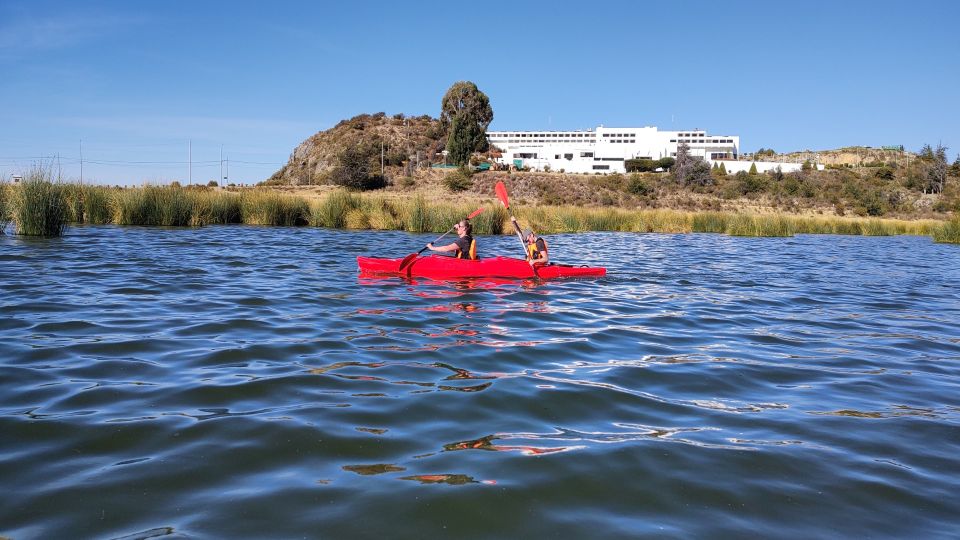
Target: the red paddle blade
(502, 194)
(406, 261)
(475, 213)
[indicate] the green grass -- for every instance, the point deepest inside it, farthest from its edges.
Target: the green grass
(38, 207)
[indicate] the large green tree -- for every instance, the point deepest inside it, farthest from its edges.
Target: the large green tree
(465, 113)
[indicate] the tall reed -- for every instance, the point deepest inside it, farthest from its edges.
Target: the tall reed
(949, 232)
(381, 214)
(492, 220)
(265, 207)
(334, 209)
(39, 207)
(5, 195)
(225, 208)
(38, 204)
(416, 217)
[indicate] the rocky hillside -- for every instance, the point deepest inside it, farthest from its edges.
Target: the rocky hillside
(854, 156)
(404, 139)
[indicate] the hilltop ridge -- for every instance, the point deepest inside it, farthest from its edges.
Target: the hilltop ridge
(404, 139)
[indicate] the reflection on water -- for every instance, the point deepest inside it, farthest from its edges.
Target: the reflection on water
(246, 382)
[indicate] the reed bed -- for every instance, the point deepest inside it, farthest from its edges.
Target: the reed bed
(949, 232)
(339, 210)
(5, 194)
(39, 206)
(265, 207)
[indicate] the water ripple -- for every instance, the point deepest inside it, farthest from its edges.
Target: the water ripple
(244, 381)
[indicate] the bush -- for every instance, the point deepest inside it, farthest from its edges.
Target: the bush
(641, 165)
(353, 170)
(638, 186)
(212, 183)
(458, 180)
(666, 163)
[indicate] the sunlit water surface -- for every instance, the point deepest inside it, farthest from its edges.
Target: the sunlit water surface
(245, 382)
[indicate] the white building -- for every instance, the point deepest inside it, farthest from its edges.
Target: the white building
(605, 149)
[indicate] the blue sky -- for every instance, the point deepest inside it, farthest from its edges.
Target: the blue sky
(135, 81)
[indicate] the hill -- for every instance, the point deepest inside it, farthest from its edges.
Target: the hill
(404, 140)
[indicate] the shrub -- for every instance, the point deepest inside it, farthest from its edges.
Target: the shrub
(641, 165)
(353, 170)
(666, 163)
(458, 180)
(638, 186)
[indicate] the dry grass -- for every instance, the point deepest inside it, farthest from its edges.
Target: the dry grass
(172, 206)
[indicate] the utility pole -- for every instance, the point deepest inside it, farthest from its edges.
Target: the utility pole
(221, 164)
(190, 160)
(81, 162)
(225, 178)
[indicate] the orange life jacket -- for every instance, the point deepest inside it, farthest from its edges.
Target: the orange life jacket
(471, 254)
(533, 251)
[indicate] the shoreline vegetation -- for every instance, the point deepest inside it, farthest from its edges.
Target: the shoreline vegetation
(38, 206)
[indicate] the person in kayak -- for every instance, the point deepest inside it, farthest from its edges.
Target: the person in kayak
(537, 252)
(464, 247)
(536, 248)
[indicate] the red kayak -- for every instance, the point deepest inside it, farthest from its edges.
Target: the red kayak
(441, 267)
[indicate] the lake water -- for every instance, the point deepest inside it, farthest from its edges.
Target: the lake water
(245, 382)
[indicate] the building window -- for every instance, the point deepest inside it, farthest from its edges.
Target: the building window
(601, 167)
(556, 156)
(586, 154)
(568, 156)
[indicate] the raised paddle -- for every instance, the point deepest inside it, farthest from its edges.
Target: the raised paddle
(409, 258)
(502, 195)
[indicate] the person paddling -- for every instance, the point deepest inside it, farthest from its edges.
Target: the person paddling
(537, 252)
(464, 247)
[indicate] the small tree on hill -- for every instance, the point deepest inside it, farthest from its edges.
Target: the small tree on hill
(723, 169)
(753, 168)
